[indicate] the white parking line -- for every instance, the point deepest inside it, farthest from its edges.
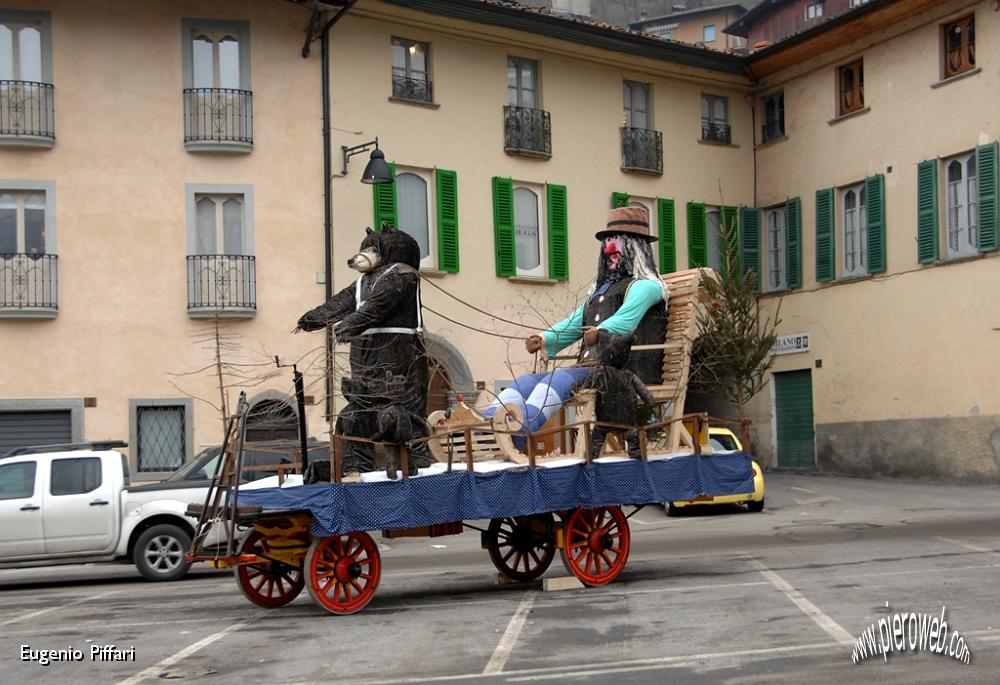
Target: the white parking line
(509, 637)
(573, 672)
(158, 667)
(832, 628)
(33, 614)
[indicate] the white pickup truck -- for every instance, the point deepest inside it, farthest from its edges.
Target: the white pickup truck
(78, 506)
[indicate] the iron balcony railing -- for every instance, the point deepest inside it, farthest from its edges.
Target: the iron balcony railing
(527, 131)
(26, 109)
(220, 282)
(715, 131)
(642, 150)
(218, 115)
(29, 281)
(407, 88)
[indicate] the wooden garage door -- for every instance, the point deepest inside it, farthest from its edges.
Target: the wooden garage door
(794, 416)
(27, 428)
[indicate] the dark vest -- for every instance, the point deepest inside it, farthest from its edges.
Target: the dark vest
(652, 329)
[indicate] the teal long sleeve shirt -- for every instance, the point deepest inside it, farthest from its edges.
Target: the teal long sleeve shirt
(641, 295)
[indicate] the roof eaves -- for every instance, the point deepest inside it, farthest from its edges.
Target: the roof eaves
(827, 25)
(606, 36)
(743, 23)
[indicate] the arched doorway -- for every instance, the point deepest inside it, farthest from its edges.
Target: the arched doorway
(271, 420)
(439, 388)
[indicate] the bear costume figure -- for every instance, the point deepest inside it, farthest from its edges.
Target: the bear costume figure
(379, 315)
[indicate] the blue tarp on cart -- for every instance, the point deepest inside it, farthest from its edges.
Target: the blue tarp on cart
(521, 491)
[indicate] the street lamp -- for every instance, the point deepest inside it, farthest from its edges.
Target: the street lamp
(377, 171)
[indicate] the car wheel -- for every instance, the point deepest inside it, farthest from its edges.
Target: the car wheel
(755, 506)
(159, 552)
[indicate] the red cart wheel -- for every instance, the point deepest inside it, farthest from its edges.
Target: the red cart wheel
(268, 584)
(596, 544)
(343, 571)
(521, 548)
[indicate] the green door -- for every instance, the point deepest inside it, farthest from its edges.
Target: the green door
(794, 415)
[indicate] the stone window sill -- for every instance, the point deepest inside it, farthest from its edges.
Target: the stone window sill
(849, 115)
(532, 280)
(418, 103)
(956, 77)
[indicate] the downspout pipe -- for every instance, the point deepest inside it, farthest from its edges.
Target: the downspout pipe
(327, 194)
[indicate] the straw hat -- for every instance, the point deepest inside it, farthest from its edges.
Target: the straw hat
(629, 221)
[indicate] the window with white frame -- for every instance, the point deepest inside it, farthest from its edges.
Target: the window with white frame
(961, 195)
(26, 102)
(708, 33)
(410, 73)
(814, 10)
(855, 231)
(416, 211)
(217, 91)
(222, 270)
(636, 101)
(22, 223)
(522, 82)
(776, 252)
(529, 233)
(220, 225)
(29, 280)
(713, 238)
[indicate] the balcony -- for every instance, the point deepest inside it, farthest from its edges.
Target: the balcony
(413, 89)
(715, 131)
(218, 119)
(29, 285)
(527, 132)
(221, 285)
(642, 150)
(27, 117)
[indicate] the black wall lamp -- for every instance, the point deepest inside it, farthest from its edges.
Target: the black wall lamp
(377, 171)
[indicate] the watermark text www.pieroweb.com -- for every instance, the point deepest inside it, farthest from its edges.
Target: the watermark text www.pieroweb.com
(910, 631)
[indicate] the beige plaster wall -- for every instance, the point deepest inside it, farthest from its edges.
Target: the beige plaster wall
(915, 342)
(582, 90)
(120, 169)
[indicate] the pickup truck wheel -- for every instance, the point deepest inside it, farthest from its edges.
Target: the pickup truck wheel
(159, 552)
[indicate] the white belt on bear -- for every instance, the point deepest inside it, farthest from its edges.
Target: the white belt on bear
(358, 302)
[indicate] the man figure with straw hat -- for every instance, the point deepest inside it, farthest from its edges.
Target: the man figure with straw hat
(627, 297)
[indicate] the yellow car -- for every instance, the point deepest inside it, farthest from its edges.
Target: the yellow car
(724, 440)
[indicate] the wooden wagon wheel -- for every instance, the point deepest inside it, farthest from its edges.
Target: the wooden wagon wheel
(521, 548)
(343, 571)
(596, 544)
(267, 583)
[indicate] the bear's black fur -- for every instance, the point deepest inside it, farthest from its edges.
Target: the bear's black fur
(386, 296)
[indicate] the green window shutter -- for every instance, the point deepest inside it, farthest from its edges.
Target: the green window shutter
(385, 201)
(750, 242)
(875, 209)
(668, 245)
(503, 226)
(793, 236)
(986, 187)
(619, 200)
(927, 211)
(558, 232)
(446, 183)
(825, 240)
(697, 240)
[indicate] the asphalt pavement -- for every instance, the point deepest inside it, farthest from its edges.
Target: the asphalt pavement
(716, 596)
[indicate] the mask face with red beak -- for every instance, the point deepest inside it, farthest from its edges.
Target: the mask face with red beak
(612, 248)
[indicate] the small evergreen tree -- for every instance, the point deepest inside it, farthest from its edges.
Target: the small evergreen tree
(732, 353)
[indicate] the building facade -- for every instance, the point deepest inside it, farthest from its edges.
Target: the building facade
(142, 208)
